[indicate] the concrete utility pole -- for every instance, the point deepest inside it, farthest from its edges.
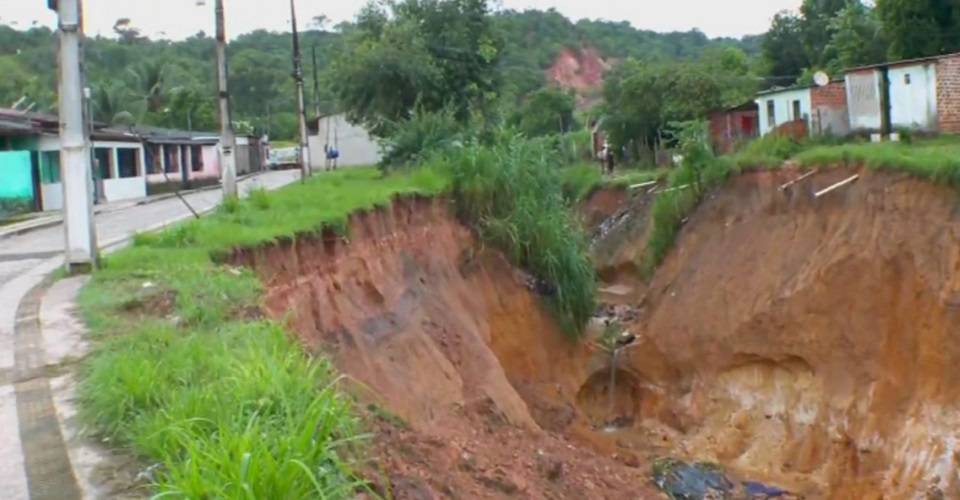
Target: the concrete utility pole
(301, 105)
(228, 160)
(79, 229)
(316, 84)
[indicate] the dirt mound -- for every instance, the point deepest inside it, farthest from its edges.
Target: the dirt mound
(812, 342)
(447, 337)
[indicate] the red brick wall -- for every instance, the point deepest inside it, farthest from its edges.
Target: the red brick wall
(828, 109)
(727, 128)
(948, 94)
(832, 95)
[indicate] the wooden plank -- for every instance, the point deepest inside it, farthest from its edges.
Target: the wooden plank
(678, 188)
(644, 184)
(798, 180)
(838, 185)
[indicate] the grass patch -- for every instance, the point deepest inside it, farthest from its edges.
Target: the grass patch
(580, 181)
(935, 160)
(769, 151)
(513, 195)
(229, 408)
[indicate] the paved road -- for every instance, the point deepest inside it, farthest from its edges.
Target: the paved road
(25, 260)
(48, 242)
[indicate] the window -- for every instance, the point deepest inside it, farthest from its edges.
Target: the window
(771, 113)
(104, 162)
(906, 79)
(152, 158)
(172, 158)
(796, 110)
(49, 167)
(128, 162)
(196, 158)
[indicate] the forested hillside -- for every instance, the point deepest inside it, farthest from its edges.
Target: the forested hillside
(170, 83)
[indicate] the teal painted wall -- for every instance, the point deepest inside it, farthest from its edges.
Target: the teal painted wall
(16, 179)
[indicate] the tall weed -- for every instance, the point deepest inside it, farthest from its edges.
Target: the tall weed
(700, 172)
(513, 195)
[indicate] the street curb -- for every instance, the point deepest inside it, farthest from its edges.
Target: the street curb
(30, 227)
(59, 219)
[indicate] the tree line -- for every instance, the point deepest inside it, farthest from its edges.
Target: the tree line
(430, 54)
(832, 35)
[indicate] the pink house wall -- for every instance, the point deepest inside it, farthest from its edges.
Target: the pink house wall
(211, 164)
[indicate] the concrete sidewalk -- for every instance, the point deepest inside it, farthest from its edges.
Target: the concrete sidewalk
(42, 452)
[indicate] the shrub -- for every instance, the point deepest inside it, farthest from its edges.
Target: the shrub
(413, 140)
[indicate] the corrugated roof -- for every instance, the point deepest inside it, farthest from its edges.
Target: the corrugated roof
(26, 123)
(158, 135)
(903, 62)
(15, 127)
(777, 90)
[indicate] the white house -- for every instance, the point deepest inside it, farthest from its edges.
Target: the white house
(118, 167)
(780, 106)
(918, 94)
(356, 146)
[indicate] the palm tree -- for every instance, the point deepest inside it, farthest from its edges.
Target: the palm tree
(111, 103)
(149, 79)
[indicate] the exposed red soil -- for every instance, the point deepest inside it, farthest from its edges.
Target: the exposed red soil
(447, 337)
(579, 70)
(812, 342)
(601, 205)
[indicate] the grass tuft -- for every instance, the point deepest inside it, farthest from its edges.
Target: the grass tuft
(259, 198)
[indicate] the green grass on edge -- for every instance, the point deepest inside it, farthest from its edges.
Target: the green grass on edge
(672, 207)
(229, 408)
(935, 160)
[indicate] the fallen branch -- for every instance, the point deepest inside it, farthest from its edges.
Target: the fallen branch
(838, 185)
(798, 180)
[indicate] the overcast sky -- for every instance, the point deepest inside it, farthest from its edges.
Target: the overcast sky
(181, 18)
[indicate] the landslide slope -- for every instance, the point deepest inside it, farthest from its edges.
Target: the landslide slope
(446, 335)
(809, 341)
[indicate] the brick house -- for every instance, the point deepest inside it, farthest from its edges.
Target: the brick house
(828, 109)
(918, 94)
(729, 127)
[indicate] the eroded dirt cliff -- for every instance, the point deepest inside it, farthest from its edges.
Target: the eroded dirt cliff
(804, 342)
(437, 330)
(813, 342)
